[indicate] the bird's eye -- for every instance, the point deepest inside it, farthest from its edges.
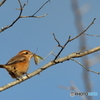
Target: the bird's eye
(26, 52)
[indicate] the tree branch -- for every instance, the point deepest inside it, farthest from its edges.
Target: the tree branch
(1, 3)
(37, 12)
(8, 26)
(84, 30)
(34, 16)
(92, 35)
(20, 15)
(41, 7)
(62, 47)
(69, 40)
(85, 67)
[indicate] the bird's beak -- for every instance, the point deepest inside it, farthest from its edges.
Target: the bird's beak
(33, 54)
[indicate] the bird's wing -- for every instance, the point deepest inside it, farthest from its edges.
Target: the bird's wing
(16, 59)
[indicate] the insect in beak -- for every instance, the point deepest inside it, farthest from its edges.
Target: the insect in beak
(37, 59)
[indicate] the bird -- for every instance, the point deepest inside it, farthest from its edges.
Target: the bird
(18, 65)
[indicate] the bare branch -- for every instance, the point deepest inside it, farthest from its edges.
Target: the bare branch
(34, 16)
(50, 53)
(85, 67)
(40, 8)
(84, 30)
(20, 15)
(8, 26)
(92, 35)
(37, 12)
(87, 52)
(61, 49)
(57, 41)
(69, 40)
(1, 3)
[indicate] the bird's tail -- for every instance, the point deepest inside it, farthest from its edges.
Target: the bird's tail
(10, 69)
(2, 66)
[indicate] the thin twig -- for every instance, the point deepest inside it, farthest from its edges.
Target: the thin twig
(92, 35)
(27, 2)
(3, 1)
(8, 26)
(85, 67)
(34, 16)
(50, 53)
(81, 50)
(40, 8)
(57, 41)
(84, 30)
(62, 49)
(19, 16)
(69, 40)
(36, 12)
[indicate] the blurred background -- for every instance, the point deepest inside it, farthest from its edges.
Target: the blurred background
(65, 18)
